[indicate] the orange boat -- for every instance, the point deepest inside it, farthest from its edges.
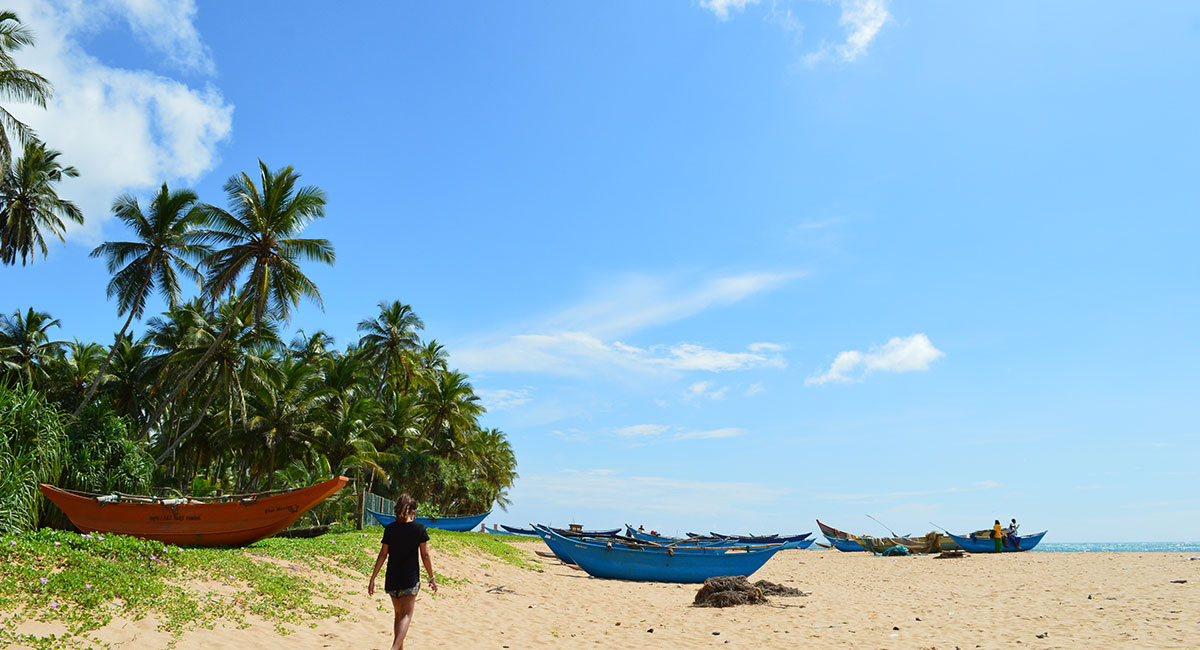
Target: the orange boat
(192, 521)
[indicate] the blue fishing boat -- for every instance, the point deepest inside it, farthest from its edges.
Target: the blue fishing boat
(628, 560)
(642, 535)
(840, 540)
(981, 544)
(444, 523)
(764, 539)
(607, 532)
(513, 530)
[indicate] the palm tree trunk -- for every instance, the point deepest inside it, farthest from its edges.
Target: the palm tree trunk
(179, 389)
(112, 351)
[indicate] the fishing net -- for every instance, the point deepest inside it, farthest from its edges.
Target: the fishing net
(727, 591)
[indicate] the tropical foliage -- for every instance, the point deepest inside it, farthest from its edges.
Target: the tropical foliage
(209, 397)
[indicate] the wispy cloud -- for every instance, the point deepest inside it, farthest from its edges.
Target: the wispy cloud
(583, 339)
(125, 130)
(663, 432)
(754, 389)
(907, 354)
(704, 389)
(722, 8)
(862, 20)
(504, 398)
(623, 494)
(876, 497)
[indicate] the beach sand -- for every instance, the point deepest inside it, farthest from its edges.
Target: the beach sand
(1077, 600)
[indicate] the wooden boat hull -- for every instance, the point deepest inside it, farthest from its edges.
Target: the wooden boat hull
(231, 523)
(459, 524)
(840, 540)
(931, 543)
(619, 561)
(988, 545)
(764, 539)
(513, 530)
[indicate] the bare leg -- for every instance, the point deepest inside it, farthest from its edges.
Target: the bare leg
(404, 606)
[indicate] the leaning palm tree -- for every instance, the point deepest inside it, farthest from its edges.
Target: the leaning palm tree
(30, 205)
(164, 240)
(16, 84)
(390, 339)
(28, 340)
(259, 236)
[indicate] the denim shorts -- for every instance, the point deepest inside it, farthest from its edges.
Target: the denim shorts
(412, 591)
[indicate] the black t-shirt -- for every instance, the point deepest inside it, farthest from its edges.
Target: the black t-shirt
(403, 539)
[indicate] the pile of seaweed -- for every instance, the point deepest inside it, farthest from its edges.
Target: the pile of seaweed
(727, 591)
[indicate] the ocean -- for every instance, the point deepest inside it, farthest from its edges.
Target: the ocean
(1118, 547)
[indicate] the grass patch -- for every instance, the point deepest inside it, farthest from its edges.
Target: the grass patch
(83, 581)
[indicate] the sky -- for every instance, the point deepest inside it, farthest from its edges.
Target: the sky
(724, 265)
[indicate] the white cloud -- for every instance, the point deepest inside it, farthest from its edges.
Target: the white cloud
(722, 7)
(754, 389)
(728, 432)
(704, 389)
(167, 26)
(862, 20)
(631, 495)
(642, 430)
(504, 398)
(582, 339)
(663, 432)
(897, 355)
(125, 130)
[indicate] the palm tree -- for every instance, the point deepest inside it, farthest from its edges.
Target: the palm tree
(16, 84)
(351, 433)
(31, 203)
(285, 411)
(259, 235)
(165, 238)
(27, 337)
(390, 338)
(492, 457)
(78, 368)
(449, 408)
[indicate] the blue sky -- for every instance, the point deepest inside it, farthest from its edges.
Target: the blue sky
(714, 265)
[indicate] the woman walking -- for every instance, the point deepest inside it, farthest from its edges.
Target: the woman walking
(402, 540)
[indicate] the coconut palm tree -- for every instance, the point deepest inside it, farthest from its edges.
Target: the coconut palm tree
(16, 84)
(286, 409)
(75, 370)
(27, 336)
(30, 205)
(259, 238)
(389, 340)
(259, 235)
(164, 240)
(449, 408)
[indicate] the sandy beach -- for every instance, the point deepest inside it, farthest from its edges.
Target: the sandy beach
(1076, 600)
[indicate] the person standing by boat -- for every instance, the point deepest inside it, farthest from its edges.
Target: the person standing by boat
(403, 540)
(998, 536)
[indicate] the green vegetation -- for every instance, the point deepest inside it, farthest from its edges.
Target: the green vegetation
(83, 581)
(211, 397)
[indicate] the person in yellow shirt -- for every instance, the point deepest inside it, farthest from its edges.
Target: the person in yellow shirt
(998, 536)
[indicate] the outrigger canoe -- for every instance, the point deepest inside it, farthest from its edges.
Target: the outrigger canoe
(981, 544)
(192, 521)
(626, 559)
(932, 542)
(460, 524)
(840, 540)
